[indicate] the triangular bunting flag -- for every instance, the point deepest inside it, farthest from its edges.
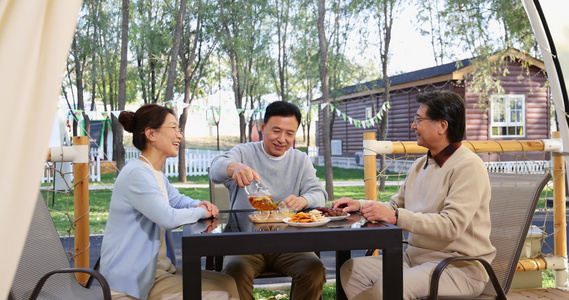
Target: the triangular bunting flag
(90, 114)
(182, 105)
(248, 113)
(116, 113)
(322, 106)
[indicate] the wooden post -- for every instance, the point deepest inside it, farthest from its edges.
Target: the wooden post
(81, 211)
(559, 212)
(370, 170)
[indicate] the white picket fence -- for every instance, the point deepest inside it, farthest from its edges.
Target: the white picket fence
(197, 161)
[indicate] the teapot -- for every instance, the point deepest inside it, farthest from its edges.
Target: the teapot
(261, 198)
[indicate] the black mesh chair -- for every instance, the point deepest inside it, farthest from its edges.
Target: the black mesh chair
(512, 206)
(44, 271)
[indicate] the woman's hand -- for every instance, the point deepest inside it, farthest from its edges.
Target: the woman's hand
(346, 204)
(211, 225)
(212, 210)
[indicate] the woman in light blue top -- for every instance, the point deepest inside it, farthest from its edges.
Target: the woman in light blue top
(137, 255)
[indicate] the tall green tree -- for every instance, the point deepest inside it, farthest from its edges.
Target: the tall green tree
(323, 67)
(240, 38)
(152, 31)
(281, 12)
(173, 64)
(197, 46)
(305, 59)
(482, 29)
(118, 151)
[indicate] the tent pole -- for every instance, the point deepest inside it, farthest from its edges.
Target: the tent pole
(370, 170)
(559, 213)
(81, 213)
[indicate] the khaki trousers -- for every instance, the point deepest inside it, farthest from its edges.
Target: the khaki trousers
(361, 279)
(306, 269)
(215, 286)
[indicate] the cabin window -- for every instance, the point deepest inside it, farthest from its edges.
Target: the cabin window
(336, 147)
(507, 115)
(368, 113)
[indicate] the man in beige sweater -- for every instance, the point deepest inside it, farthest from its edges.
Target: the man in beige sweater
(443, 204)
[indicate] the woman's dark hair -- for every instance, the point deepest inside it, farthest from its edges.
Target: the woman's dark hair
(446, 105)
(283, 109)
(148, 115)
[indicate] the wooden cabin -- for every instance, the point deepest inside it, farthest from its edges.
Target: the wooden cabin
(523, 111)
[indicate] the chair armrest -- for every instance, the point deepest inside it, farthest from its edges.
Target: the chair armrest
(96, 274)
(434, 289)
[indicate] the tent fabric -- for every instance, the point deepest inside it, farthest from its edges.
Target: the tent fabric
(35, 37)
(550, 27)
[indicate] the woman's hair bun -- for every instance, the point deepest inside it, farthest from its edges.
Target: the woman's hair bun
(126, 118)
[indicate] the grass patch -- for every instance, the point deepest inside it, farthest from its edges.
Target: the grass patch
(341, 174)
(328, 293)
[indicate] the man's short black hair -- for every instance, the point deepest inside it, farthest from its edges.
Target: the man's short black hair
(449, 106)
(283, 109)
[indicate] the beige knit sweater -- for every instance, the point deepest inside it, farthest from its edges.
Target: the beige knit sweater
(445, 210)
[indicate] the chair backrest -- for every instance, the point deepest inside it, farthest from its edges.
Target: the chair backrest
(512, 206)
(218, 195)
(43, 253)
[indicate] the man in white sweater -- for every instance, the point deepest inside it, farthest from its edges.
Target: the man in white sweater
(443, 204)
(289, 176)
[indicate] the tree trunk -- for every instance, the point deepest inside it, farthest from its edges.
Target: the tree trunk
(118, 146)
(170, 89)
(384, 56)
(325, 100)
(175, 50)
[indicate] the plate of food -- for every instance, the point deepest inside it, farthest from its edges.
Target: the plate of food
(313, 218)
(334, 214)
(338, 218)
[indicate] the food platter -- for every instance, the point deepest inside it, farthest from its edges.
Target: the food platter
(338, 218)
(271, 219)
(308, 224)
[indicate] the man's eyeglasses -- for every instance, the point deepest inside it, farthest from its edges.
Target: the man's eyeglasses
(417, 119)
(175, 128)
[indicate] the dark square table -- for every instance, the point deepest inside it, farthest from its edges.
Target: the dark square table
(236, 234)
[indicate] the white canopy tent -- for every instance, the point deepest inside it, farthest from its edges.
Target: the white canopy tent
(551, 28)
(35, 37)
